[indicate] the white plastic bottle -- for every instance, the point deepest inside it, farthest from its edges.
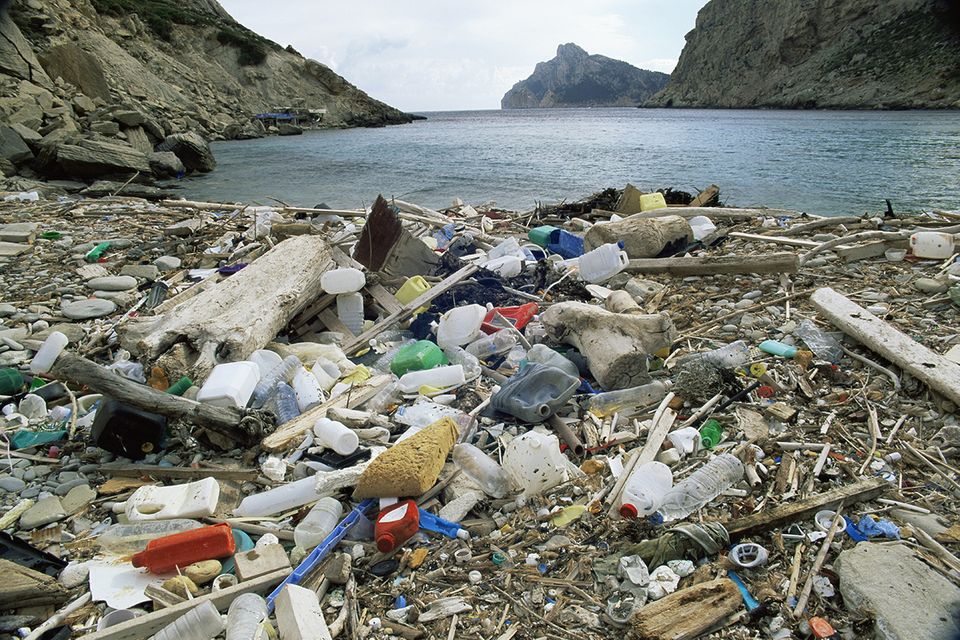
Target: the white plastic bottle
(493, 344)
(282, 498)
(49, 351)
(350, 311)
(245, 615)
(191, 500)
(482, 469)
(438, 377)
(307, 389)
(317, 525)
(645, 489)
(335, 435)
(230, 384)
(709, 481)
(505, 266)
(460, 325)
(603, 263)
(126, 539)
(343, 280)
(203, 622)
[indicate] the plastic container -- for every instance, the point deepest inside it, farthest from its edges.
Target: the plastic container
(230, 384)
(126, 539)
(517, 317)
(350, 311)
(179, 387)
(280, 372)
(438, 378)
(266, 360)
(711, 434)
(11, 381)
(504, 266)
(417, 356)
(482, 469)
(412, 289)
(686, 440)
(509, 247)
(824, 345)
(287, 406)
(318, 524)
(191, 500)
(396, 524)
(932, 245)
(493, 344)
(326, 372)
(97, 252)
(436, 524)
(469, 362)
(245, 615)
(895, 255)
(651, 201)
(702, 227)
(645, 489)
(535, 393)
(385, 399)
(565, 244)
(181, 549)
(335, 435)
(777, 348)
(32, 406)
(343, 280)
(603, 263)
(306, 388)
(540, 236)
(542, 354)
(49, 351)
(730, 356)
(718, 475)
(628, 401)
(280, 499)
(202, 622)
(460, 325)
(534, 463)
(127, 431)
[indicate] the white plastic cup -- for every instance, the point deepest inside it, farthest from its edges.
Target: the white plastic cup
(335, 435)
(49, 351)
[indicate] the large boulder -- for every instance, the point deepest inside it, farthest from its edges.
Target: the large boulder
(287, 129)
(138, 139)
(16, 55)
(94, 158)
(12, 146)
(193, 151)
(79, 68)
(642, 237)
(166, 164)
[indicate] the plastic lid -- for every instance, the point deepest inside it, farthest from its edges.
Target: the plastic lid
(386, 542)
(627, 510)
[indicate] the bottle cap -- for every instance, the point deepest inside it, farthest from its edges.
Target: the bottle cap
(386, 542)
(627, 510)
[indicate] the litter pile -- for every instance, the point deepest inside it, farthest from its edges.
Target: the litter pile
(653, 421)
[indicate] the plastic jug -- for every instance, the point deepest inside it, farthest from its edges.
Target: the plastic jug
(306, 388)
(350, 311)
(49, 351)
(533, 463)
(650, 201)
(644, 489)
(412, 289)
(536, 393)
(230, 384)
(343, 280)
(417, 356)
(192, 500)
(517, 317)
(505, 266)
(603, 263)
(396, 524)
(932, 244)
(335, 435)
(482, 469)
(181, 549)
(438, 377)
(542, 354)
(493, 344)
(460, 326)
(627, 401)
(318, 524)
(126, 430)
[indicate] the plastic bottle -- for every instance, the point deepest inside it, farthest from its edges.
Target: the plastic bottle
(626, 401)
(127, 539)
(266, 360)
(777, 348)
(180, 387)
(543, 354)
(820, 342)
(245, 615)
(94, 254)
(536, 393)
(287, 407)
(438, 377)
(460, 325)
(318, 524)
(230, 384)
(435, 523)
(343, 280)
(482, 469)
(711, 433)
(335, 435)
(202, 622)
(603, 263)
(181, 549)
(48, 353)
(282, 498)
(932, 244)
(32, 406)
(469, 362)
(493, 344)
(268, 383)
(718, 475)
(416, 356)
(350, 311)
(385, 399)
(307, 389)
(396, 524)
(645, 489)
(730, 356)
(191, 500)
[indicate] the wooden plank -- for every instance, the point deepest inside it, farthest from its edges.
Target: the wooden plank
(869, 250)
(689, 613)
(301, 322)
(705, 196)
(805, 509)
(710, 265)
(717, 213)
(789, 242)
(149, 624)
(23, 587)
(922, 363)
(140, 470)
(333, 323)
(384, 298)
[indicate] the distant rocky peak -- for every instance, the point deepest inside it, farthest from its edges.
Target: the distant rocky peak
(570, 50)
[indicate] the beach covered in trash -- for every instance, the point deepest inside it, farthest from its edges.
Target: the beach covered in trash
(601, 419)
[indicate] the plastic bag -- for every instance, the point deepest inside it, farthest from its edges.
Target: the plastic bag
(821, 343)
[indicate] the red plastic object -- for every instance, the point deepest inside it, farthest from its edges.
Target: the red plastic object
(822, 629)
(517, 316)
(180, 549)
(396, 524)
(765, 391)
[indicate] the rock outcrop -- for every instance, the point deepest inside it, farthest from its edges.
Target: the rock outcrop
(575, 78)
(856, 54)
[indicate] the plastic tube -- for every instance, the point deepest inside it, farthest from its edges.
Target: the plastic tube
(245, 615)
(268, 383)
(200, 623)
(335, 435)
(48, 353)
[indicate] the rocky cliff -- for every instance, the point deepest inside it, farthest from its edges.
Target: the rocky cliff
(576, 79)
(105, 88)
(860, 54)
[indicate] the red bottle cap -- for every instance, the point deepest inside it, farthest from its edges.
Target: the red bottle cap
(386, 543)
(627, 510)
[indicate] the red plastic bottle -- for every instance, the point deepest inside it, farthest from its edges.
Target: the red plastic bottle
(517, 316)
(180, 549)
(396, 524)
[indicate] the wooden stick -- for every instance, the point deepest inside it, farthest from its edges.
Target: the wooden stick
(938, 549)
(818, 563)
(156, 471)
(725, 213)
(932, 466)
(874, 436)
(59, 617)
(795, 571)
(710, 265)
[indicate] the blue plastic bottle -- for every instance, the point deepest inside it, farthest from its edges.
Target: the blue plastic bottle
(437, 524)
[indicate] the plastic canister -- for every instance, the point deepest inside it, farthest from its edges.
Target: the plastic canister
(49, 351)
(396, 524)
(645, 489)
(533, 463)
(230, 384)
(504, 266)
(460, 325)
(343, 280)
(335, 435)
(540, 236)
(350, 311)
(566, 244)
(184, 548)
(127, 430)
(318, 524)
(416, 356)
(932, 244)
(536, 393)
(649, 201)
(603, 263)
(191, 500)
(438, 377)
(412, 289)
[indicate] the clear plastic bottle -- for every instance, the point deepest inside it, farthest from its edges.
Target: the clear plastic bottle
(469, 362)
(245, 616)
(317, 525)
(126, 539)
(268, 383)
(545, 355)
(493, 344)
(350, 311)
(287, 408)
(385, 399)
(730, 356)
(482, 469)
(715, 477)
(203, 622)
(630, 400)
(48, 353)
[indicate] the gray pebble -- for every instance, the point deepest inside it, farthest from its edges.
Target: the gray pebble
(11, 484)
(64, 488)
(752, 295)
(30, 492)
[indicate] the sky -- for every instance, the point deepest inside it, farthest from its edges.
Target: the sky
(432, 55)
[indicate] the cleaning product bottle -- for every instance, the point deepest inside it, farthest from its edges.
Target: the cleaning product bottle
(181, 549)
(644, 489)
(396, 524)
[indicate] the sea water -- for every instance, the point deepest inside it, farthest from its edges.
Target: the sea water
(824, 162)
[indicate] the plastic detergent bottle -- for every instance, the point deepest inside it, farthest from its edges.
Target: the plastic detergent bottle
(181, 549)
(536, 393)
(705, 484)
(230, 384)
(460, 325)
(396, 524)
(482, 469)
(318, 524)
(603, 263)
(645, 489)
(192, 500)
(343, 280)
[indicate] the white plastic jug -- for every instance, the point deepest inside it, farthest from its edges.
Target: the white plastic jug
(932, 244)
(509, 247)
(230, 384)
(644, 490)
(350, 311)
(460, 326)
(505, 266)
(438, 377)
(343, 280)
(318, 524)
(49, 351)
(192, 500)
(335, 435)
(533, 463)
(603, 263)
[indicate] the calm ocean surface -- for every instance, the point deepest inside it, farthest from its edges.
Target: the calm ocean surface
(825, 162)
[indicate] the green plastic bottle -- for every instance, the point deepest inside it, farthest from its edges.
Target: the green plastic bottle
(180, 387)
(10, 382)
(94, 254)
(417, 356)
(711, 433)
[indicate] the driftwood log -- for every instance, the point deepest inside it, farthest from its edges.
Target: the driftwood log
(239, 315)
(710, 265)
(689, 613)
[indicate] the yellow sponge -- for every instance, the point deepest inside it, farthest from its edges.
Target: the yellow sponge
(410, 467)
